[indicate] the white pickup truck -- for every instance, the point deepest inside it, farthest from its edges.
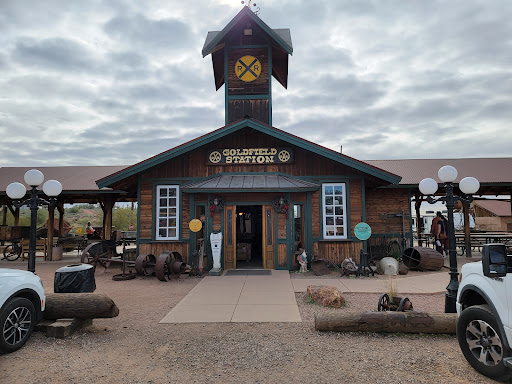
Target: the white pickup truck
(484, 306)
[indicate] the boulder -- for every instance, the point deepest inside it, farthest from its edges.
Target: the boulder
(326, 296)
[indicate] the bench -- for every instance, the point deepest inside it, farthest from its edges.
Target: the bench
(41, 246)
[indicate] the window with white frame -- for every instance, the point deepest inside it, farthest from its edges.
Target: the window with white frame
(334, 210)
(167, 212)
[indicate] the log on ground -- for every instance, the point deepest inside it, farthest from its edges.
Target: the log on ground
(393, 322)
(79, 306)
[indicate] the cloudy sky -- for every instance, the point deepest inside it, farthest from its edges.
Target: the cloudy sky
(118, 81)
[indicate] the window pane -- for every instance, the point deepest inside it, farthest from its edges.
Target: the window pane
(328, 190)
(172, 191)
(338, 189)
(162, 232)
(329, 210)
(172, 222)
(172, 211)
(172, 202)
(162, 222)
(329, 231)
(163, 192)
(163, 212)
(339, 231)
(172, 232)
(338, 200)
(338, 210)
(339, 220)
(163, 202)
(329, 220)
(328, 200)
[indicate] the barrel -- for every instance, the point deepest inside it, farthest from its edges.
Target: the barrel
(423, 259)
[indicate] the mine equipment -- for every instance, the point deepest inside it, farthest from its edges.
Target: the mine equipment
(399, 304)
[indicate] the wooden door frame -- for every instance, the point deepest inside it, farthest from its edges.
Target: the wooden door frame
(229, 250)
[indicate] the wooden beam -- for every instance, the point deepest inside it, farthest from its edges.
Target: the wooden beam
(418, 198)
(60, 208)
(51, 225)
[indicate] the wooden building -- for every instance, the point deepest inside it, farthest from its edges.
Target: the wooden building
(268, 191)
(493, 215)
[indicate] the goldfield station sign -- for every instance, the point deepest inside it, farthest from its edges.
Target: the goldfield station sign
(250, 156)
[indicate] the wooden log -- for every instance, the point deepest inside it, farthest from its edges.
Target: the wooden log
(402, 322)
(79, 306)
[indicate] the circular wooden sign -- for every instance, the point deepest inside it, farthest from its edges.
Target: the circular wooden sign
(248, 68)
(195, 225)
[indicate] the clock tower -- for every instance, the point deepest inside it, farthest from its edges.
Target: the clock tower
(245, 56)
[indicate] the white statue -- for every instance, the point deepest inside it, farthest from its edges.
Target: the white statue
(303, 261)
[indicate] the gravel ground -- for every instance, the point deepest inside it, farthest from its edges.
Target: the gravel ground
(135, 348)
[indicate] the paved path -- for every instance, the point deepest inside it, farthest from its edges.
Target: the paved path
(238, 299)
(246, 299)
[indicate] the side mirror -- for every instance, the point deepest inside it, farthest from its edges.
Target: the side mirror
(494, 260)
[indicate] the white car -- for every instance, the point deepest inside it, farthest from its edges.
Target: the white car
(484, 306)
(22, 302)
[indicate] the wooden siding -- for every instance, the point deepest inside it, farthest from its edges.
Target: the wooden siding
(282, 255)
(145, 210)
(253, 108)
(282, 227)
(157, 247)
(337, 251)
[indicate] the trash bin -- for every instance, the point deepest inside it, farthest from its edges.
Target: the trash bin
(57, 253)
(75, 278)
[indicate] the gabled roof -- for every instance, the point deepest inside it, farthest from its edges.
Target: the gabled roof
(281, 42)
(500, 208)
(251, 183)
(258, 126)
(280, 36)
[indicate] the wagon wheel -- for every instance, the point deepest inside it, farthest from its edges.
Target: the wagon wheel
(12, 252)
(383, 302)
(93, 254)
(174, 270)
(162, 265)
(394, 249)
(123, 276)
(405, 305)
(145, 264)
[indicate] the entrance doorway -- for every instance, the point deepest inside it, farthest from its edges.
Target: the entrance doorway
(249, 236)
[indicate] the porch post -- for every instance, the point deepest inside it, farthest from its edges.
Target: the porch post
(467, 229)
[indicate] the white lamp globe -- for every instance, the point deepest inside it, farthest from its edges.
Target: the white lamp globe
(428, 186)
(52, 188)
(469, 185)
(16, 191)
(34, 177)
(447, 174)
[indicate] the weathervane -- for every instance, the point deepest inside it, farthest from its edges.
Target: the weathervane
(256, 9)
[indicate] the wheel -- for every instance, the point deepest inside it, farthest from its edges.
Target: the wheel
(17, 321)
(12, 252)
(383, 302)
(481, 342)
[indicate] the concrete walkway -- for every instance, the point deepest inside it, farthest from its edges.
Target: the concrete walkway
(254, 299)
(238, 299)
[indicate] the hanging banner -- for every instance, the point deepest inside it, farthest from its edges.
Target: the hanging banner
(250, 156)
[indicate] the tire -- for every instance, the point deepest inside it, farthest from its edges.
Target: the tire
(12, 252)
(475, 325)
(17, 321)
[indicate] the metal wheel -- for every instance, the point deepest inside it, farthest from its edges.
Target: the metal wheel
(383, 302)
(163, 265)
(405, 305)
(145, 264)
(93, 254)
(394, 249)
(481, 341)
(12, 252)
(123, 276)
(17, 321)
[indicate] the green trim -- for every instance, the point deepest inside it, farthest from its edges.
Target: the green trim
(309, 225)
(226, 83)
(245, 12)
(191, 235)
(363, 198)
(270, 83)
(248, 97)
(289, 232)
(263, 128)
(137, 241)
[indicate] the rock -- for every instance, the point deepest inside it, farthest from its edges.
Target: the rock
(402, 269)
(326, 296)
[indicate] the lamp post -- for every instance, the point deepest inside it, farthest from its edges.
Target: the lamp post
(468, 186)
(16, 191)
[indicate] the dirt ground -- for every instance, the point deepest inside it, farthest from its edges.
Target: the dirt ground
(135, 348)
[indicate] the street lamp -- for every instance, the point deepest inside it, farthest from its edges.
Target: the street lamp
(16, 191)
(468, 186)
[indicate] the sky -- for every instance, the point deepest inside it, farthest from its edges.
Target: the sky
(115, 82)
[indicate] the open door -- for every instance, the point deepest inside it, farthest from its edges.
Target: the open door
(230, 237)
(268, 237)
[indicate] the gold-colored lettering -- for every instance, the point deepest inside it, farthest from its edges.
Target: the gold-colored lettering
(232, 152)
(273, 151)
(253, 159)
(229, 159)
(269, 159)
(225, 152)
(260, 159)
